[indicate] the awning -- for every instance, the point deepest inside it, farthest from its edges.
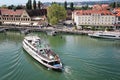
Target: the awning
(37, 18)
(24, 23)
(7, 23)
(34, 24)
(17, 23)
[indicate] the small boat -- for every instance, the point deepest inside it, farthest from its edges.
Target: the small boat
(27, 31)
(42, 52)
(105, 34)
(2, 30)
(51, 33)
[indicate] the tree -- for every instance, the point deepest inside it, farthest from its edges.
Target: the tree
(53, 21)
(53, 3)
(65, 5)
(39, 5)
(19, 7)
(114, 4)
(29, 4)
(72, 6)
(4, 6)
(56, 13)
(34, 4)
(27, 7)
(85, 7)
(11, 7)
(15, 7)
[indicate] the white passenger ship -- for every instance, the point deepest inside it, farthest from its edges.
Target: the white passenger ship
(42, 53)
(105, 34)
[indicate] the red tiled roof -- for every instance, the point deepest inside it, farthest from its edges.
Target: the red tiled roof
(117, 10)
(89, 12)
(11, 12)
(101, 7)
(105, 6)
(118, 14)
(97, 7)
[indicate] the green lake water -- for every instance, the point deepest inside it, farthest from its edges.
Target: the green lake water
(84, 58)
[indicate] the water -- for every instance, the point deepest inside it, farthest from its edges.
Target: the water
(84, 58)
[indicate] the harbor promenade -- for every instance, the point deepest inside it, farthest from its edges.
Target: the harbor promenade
(39, 29)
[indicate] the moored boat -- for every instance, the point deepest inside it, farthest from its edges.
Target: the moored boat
(42, 52)
(52, 33)
(105, 34)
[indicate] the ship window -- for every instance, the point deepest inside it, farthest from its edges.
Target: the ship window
(108, 35)
(41, 50)
(57, 62)
(53, 63)
(44, 61)
(30, 41)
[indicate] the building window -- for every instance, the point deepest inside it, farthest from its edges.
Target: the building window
(11, 15)
(24, 16)
(119, 18)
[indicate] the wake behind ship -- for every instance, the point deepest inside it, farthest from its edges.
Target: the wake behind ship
(42, 53)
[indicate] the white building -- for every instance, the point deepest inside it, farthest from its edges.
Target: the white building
(94, 18)
(117, 12)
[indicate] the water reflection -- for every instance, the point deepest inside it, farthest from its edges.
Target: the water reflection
(11, 36)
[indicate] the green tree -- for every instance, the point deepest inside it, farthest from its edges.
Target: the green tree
(65, 5)
(72, 6)
(85, 7)
(15, 7)
(4, 6)
(11, 7)
(19, 7)
(53, 20)
(34, 4)
(29, 4)
(56, 13)
(39, 5)
(113, 5)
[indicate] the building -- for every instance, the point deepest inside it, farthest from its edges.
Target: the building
(94, 18)
(101, 7)
(117, 12)
(22, 17)
(69, 14)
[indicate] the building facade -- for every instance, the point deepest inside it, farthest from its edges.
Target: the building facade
(94, 18)
(117, 12)
(22, 17)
